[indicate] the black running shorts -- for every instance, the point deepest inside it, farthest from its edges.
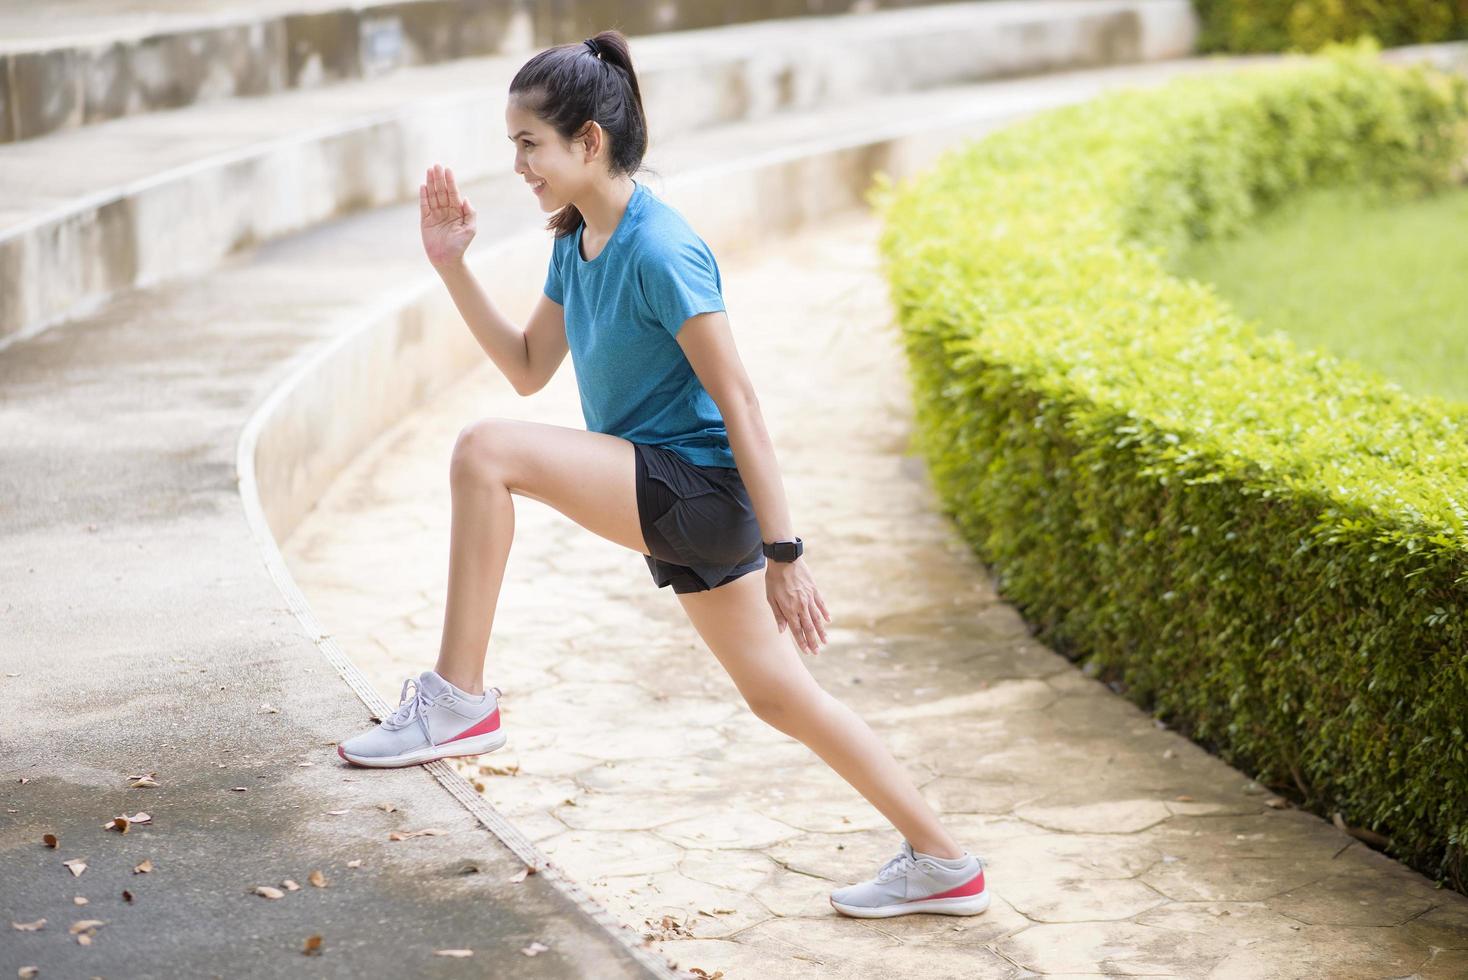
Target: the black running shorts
(697, 521)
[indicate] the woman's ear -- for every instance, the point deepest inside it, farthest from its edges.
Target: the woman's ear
(591, 137)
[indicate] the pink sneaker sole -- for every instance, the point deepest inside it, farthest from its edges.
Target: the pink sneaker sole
(964, 905)
(457, 749)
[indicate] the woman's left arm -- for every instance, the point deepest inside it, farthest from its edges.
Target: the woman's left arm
(790, 588)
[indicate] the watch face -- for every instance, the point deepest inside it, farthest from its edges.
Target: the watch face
(785, 550)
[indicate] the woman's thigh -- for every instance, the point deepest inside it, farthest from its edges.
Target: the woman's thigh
(590, 477)
(736, 622)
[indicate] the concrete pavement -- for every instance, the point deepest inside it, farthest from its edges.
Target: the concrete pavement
(1115, 846)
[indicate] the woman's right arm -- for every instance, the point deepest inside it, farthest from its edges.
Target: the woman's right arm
(505, 343)
(448, 223)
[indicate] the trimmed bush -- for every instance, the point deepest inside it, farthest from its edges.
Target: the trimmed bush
(1266, 546)
(1306, 25)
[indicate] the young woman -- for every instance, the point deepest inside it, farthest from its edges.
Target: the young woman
(636, 296)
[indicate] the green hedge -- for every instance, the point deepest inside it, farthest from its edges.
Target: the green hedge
(1306, 25)
(1266, 546)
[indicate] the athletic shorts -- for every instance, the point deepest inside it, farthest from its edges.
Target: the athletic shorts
(697, 521)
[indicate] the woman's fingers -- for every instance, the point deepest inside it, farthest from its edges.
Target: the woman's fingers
(812, 615)
(791, 612)
(808, 629)
(439, 192)
(451, 188)
(822, 604)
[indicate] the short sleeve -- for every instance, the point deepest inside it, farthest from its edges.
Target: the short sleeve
(553, 275)
(680, 278)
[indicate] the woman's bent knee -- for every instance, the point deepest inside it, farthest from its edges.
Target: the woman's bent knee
(476, 450)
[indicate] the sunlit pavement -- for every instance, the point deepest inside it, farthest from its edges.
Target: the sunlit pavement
(1113, 845)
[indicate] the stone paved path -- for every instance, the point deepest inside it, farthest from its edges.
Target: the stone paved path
(1114, 846)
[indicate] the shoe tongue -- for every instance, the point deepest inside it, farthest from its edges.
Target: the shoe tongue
(432, 684)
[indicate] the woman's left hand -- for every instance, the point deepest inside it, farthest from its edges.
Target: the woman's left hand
(797, 603)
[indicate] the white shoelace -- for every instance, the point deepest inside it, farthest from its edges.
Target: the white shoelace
(410, 708)
(901, 864)
(416, 708)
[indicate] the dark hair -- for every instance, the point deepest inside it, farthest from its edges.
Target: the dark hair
(569, 85)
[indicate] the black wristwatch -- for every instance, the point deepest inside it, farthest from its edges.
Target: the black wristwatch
(783, 550)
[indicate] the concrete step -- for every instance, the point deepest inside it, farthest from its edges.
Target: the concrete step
(156, 197)
(86, 61)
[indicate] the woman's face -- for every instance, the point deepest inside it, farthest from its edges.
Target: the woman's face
(555, 171)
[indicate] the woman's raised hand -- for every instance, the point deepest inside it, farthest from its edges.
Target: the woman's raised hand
(448, 220)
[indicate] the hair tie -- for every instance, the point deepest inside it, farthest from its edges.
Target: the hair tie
(591, 43)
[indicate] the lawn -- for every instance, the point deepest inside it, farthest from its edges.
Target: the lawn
(1386, 285)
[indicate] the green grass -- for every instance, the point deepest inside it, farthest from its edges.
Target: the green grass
(1382, 284)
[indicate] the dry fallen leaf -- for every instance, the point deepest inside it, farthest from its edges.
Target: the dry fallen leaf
(143, 866)
(79, 900)
(312, 947)
(23, 779)
(522, 874)
(668, 928)
(386, 807)
(49, 840)
(29, 926)
(26, 972)
(118, 824)
(290, 886)
(354, 863)
(84, 939)
(453, 952)
(533, 948)
(702, 974)
(405, 834)
(317, 878)
(77, 866)
(267, 709)
(269, 892)
(143, 782)
(336, 813)
(82, 925)
(127, 896)
(239, 789)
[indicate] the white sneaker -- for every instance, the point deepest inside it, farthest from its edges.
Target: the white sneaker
(439, 721)
(915, 882)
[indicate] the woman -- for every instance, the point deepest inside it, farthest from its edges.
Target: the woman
(635, 295)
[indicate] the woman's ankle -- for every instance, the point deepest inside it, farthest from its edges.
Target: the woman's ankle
(473, 690)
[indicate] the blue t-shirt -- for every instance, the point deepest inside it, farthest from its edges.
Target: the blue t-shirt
(622, 311)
